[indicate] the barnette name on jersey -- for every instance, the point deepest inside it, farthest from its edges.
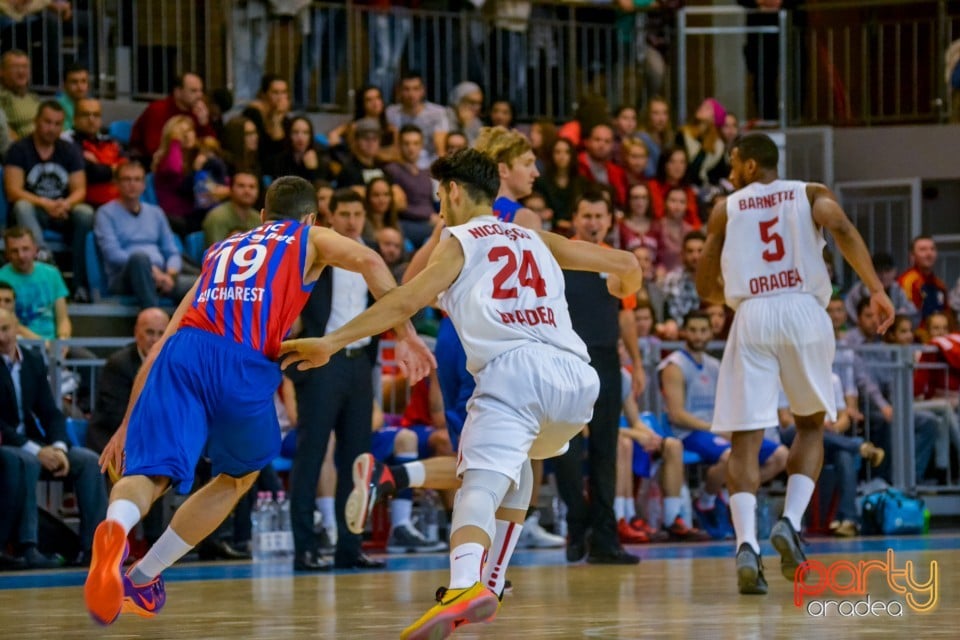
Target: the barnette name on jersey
(766, 202)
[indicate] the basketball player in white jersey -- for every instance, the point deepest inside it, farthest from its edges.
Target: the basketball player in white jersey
(766, 242)
(503, 288)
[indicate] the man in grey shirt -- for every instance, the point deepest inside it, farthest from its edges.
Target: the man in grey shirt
(430, 118)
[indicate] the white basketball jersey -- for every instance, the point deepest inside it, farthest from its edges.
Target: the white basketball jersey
(510, 293)
(773, 246)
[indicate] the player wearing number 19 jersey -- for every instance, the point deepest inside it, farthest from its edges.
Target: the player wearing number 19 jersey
(208, 385)
(766, 242)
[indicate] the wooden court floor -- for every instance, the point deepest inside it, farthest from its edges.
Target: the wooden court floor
(676, 592)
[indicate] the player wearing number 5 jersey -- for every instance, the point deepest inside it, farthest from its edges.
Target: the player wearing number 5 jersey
(209, 384)
(765, 242)
(502, 287)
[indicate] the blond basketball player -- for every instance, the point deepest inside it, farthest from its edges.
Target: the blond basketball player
(503, 289)
(766, 242)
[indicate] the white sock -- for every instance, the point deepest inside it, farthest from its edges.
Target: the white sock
(706, 501)
(164, 552)
(465, 562)
(671, 509)
(629, 509)
(416, 473)
(504, 542)
(326, 507)
(743, 512)
(400, 511)
(619, 508)
(125, 512)
(799, 491)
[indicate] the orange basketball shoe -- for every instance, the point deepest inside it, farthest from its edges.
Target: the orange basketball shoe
(103, 590)
(454, 608)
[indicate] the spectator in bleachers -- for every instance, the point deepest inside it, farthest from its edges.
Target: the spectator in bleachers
(624, 125)
(300, 155)
(652, 293)
(76, 86)
(186, 100)
(417, 213)
(324, 196)
(268, 113)
(501, 113)
(101, 155)
(240, 145)
(456, 141)
(8, 301)
(45, 182)
(175, 167)
(17, 101)
(378, 205)
(33, 427)
(139, 251)
(364, 163)
(236, 214)
(679, 285)
(688, 381)
(720, 319)
(368, 103)
(887, 271)
(538, 204)
(874, 378)
(463, 114)
(430, 118)
(596, 163)
(41, 293)
(669, 231)
(562, 183)
(638, 215)
(592, 110)
(656, 131)
(927, 292)
(703, 144)
(543, 134)
(390, 247)
(634, 157)
(672, 174)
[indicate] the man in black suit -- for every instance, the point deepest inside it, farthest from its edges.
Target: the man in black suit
(335, 398)
(33, 429)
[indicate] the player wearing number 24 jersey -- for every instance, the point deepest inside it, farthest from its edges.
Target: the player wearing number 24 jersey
(763, 257)
(502, 286)
(208, 385)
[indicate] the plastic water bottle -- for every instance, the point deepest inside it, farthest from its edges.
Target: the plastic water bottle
(764, 522)
(261, 517)
(284, 531)
(654, 505)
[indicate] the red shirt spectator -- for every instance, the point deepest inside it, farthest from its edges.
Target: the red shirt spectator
(101, 155)
(927, 292)
(186, 100)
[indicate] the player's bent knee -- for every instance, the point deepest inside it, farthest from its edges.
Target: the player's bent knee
(478, 499)
(673, 449)
(240, 484)
(405, 442)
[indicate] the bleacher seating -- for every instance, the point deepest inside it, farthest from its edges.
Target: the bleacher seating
(194, 246)
(77, 431)
(150, 192)
(120, 131)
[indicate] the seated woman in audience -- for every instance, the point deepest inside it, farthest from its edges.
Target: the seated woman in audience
(501, 113)
(672, 173)
(561, 184)
(633, 158)
(378, 203)
(543, 135)
(638, 216)
(300, 155)
(466, 102)
(240, 145)
(703, 144)
(268, 113)
(368, 103)
(670, 230)
(175, 167)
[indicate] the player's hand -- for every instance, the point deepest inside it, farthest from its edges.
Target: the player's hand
(638, 379)
(650, 441)
(112, 459)
(881, 305)
(414, 358)
(307, 353)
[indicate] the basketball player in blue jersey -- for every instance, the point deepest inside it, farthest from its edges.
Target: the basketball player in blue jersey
(209, 384)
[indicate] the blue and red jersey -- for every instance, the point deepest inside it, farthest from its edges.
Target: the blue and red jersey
(506, 209)
(251, 286)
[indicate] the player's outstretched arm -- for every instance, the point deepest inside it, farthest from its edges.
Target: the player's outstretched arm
(708, 279)
(112, 457)
(393, 308)
(828, 214)
(577, 255)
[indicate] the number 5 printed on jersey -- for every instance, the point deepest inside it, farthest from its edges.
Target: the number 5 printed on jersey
(777, 252)
(529, 275)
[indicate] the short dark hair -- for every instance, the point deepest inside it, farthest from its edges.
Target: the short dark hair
(913, 243)
(475, 172)
(18, 232)
(883, 261)
(290, 197)
(125, 164)
(862, 304)
(53, 105)
(4, 285)
(671, 190)
(593, 196)
(74, 67)
(696, 314)
(344, 195)
(693, 235)
(410, 128)
(268, 79)
(412, 74)
(758, 147)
